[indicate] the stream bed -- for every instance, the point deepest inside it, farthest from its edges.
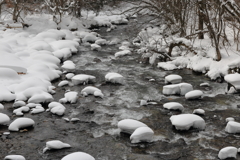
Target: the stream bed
(97, 134)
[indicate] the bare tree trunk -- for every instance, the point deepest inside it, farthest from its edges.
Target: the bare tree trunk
(200, 22)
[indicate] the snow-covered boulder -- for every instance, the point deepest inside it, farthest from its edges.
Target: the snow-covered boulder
(142, 134)
(83, 79)
(95, 47)
(92, 90)
(55, 144)
(63, 54)
(122, 53)
(199, 111)
(38, 109)
(195, 94)
(230, 119)
(56, 108)
(173, 106)
(58, 45)
(69, 75)
(5, 94)
(78, 156)
(101, 42)
(185, 121)
(114, 78)
(173, 79)
(228, 152)
(21, 123)
(1, 106)
(205, 84)
(21, 110)
(130, 125)
(70, 97)
(14, 157)
(68, 65)
(176, 89)
(4, 119)
(234, 80)
(63, 83)
(17, 104)
(232, 127)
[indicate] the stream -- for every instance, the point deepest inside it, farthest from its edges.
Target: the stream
(97, 134)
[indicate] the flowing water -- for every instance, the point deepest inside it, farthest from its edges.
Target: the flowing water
(97, 134)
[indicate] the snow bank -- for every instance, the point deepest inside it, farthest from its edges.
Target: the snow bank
(228, 152)
(185, 121)
(142, 134)
(21, 123)
(130, 125)
(173, 106)
(78, 156)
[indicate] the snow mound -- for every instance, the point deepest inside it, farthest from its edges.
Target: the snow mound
(63, 83)
(195, 94)
(232, 127)
(230, 119)
(63, 54)
(56, 108)
(17, 104)
(83, 79)
(114, 78)
(178, 89)
(6, 95)
(14, 157)
(167, 66)
(227, 152)
(122, 53)
(69, 75)
(101, 42)
(173, 106)
(199, 111)
(69, 97)
(130, 125)
(38, 109)
(78, 156)
(95, 47)
(21, 123)
(92, 90)
(185, 121)
(55, 144)
(19, 111)
(58, 45)
(1, 106)
(173, 79)
(68, 65)
(142, 134)
(4, 119)
(233, 79)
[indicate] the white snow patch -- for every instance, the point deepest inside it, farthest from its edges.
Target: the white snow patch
(21, 123)
(55, 144)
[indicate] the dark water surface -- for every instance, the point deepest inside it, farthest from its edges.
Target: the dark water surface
(96, 133)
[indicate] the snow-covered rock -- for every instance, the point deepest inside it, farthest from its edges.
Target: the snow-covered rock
(177, 89)
(68, 65)
(195, 94)
(4, 119)
(69, 97)
(55, 144)
(38, 109)
(14, 157)
(130, 125)
(1, 106)
(230, 119)
(101, 42)
(78, 156)
(185, 121)
(173, 106)
(19, 111)
(205, 84)
(83, 79)
(228, 152)
(58, 45)
(18, 104)
(92, 90)
(233, 79)
(142, 134)
(173, 79)
(5, 94)
(69, 75)
(95, 47)
(114, 78)
(21, 123)
(63, 83)
(56, 108)
(122, 53)
(199, 111)
(63, 54)
(232, 127)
